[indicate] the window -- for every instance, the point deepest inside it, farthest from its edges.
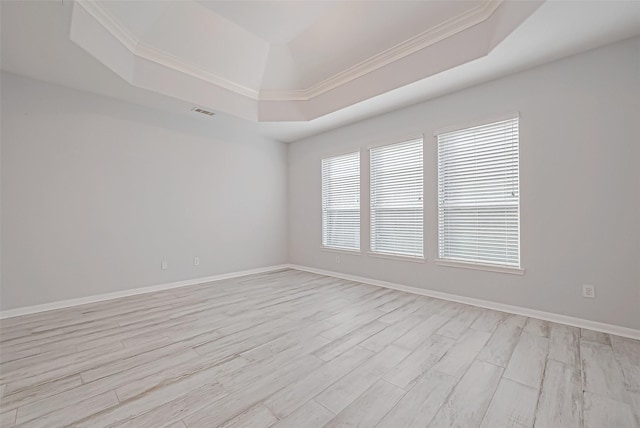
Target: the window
(478, 194)
(396, 199)
(341, 202)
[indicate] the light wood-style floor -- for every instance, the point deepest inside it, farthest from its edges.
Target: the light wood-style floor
(294, 349)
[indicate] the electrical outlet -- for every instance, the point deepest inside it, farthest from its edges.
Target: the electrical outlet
(164, 265)
(588, 291)
(196, 261)
(337, 259)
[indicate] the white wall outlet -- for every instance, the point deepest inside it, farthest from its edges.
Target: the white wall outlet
(164, 265)
(196, 261)
(589, 291)
(337, 259)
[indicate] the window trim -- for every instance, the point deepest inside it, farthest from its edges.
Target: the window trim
(474, 123)
(396, 140)
(489, 267)
(337, 154)
(341, 250)
(396, 256)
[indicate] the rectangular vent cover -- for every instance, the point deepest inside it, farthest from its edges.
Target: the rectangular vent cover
(199, 110)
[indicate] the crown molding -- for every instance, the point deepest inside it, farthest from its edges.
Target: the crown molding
(433, 35)
(442, 31)
(153, 54)
(166, 59)
(110, 23)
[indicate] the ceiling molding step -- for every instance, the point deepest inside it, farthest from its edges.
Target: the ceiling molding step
(165, 59)
(110, 23)
(442, 31)
(433, 35)
(150, 53)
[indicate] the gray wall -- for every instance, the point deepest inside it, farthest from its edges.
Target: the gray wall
(96, 192)
(580, 187)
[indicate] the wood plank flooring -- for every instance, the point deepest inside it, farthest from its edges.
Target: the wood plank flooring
(295, 349)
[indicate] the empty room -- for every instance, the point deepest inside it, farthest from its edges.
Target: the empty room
(320, 213)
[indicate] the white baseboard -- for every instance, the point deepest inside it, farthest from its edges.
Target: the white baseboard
(132, 292)
(517, 310)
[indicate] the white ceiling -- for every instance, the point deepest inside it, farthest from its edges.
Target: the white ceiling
(319, 38)
(288, 61)
(36, 43)
(276, 22)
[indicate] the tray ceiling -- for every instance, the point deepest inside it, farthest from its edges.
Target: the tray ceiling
(35, 42)
(288, 60)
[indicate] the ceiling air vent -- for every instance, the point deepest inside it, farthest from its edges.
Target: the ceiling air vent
(199, 110)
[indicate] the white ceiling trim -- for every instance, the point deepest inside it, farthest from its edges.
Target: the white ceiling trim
(170, 61)
(108, 21)
(148, 52)
(442, 31)
(457, 24)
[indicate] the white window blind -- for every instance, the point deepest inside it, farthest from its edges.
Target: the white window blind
(396, 199)
(341, 202)
(478, 194)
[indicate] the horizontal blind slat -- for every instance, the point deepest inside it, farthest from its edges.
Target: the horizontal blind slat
(478, 194)
(341, 201)
(396, 199)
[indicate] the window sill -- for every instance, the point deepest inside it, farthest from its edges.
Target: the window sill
(478, 266)
(397, 257)
(341, 250)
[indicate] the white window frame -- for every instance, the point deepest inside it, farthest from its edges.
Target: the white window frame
(417, 257)
(325, 244)
(479, 264)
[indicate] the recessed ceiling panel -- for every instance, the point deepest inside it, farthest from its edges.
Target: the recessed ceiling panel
(295, 60)
(273, 21)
